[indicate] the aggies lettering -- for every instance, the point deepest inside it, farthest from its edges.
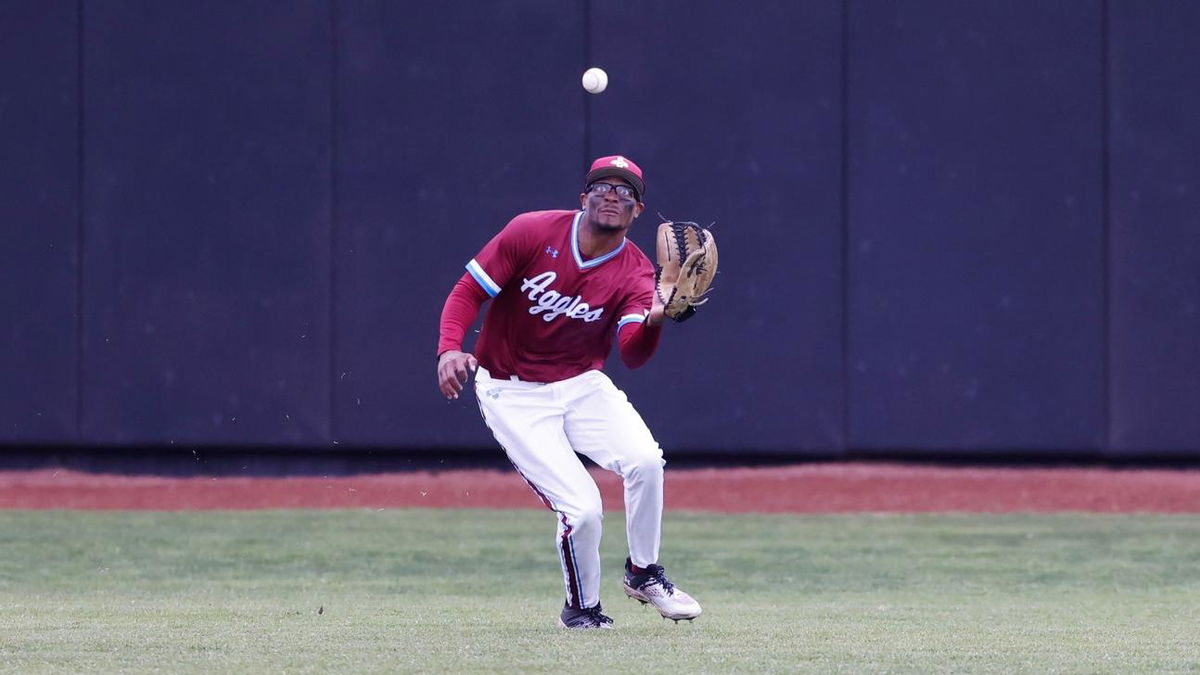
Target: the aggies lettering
(554, 304)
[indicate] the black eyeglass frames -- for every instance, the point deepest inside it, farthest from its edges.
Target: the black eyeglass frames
(623, 191)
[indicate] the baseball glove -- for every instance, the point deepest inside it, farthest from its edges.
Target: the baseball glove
(687, 264)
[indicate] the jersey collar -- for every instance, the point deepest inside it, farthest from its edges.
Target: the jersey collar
(575, 247)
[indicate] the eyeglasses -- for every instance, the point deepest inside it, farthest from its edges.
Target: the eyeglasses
(623, 191)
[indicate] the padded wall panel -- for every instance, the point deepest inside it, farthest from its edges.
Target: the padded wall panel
(207, 202)
(736, 118)
(975, 226)
(1155, 212)
(452, 118)
(39, 215)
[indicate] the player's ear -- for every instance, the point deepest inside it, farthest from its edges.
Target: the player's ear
(583, 200)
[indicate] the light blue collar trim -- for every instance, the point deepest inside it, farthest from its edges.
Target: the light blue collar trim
(575, 247)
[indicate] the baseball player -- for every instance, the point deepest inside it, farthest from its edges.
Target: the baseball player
(563, 284)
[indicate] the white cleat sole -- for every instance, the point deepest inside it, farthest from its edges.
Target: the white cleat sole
(564, 626)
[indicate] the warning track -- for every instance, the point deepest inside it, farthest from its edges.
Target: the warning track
(802, 488)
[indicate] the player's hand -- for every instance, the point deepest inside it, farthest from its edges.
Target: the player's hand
(453, 371)
(655, 317)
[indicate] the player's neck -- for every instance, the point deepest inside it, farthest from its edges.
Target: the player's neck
(595, 242)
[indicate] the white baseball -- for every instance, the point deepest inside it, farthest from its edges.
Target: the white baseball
(595, 80)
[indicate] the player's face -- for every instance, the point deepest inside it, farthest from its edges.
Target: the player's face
(607, 209)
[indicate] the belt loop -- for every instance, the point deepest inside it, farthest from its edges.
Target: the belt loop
(514, 378)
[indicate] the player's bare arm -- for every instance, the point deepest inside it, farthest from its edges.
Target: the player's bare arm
(454, 371)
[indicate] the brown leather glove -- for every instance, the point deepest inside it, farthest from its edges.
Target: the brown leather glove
(687, 264)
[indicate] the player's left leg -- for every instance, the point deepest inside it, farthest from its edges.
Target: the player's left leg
(601, 424)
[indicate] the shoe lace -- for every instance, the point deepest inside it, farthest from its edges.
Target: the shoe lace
(659, 575)
(595, 615)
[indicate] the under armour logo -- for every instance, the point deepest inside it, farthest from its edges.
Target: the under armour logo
(493, 393)
(620, 163)
(552, 251)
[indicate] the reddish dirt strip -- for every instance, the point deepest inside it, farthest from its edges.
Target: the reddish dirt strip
(804, 488)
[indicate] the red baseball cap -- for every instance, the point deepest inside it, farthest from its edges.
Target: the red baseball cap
(621, 167)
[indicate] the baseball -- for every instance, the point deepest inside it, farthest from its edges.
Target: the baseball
(595, 80)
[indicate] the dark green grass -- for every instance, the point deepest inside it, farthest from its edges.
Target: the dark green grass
(453, 591)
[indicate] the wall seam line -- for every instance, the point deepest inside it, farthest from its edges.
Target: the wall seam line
(79, 222)
(587, 102)
(845, 227)
(1106, 225)
(331, 315)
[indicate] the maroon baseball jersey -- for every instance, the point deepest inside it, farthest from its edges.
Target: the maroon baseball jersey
(553, 314)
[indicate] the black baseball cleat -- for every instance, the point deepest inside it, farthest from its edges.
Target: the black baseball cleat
(584, 619)
(653, 587)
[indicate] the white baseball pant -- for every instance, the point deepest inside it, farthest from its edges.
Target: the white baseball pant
(541, 427)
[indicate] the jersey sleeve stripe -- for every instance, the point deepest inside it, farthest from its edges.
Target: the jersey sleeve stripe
(482, 277)
(630, 318)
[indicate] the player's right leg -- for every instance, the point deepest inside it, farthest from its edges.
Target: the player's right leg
(602, 424)
(527, 420)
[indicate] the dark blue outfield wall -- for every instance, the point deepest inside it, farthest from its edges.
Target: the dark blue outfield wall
(963, 227)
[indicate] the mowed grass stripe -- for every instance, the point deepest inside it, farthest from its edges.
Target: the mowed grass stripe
(479, 591)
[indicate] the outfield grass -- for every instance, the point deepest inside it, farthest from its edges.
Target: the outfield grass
(455, 591)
